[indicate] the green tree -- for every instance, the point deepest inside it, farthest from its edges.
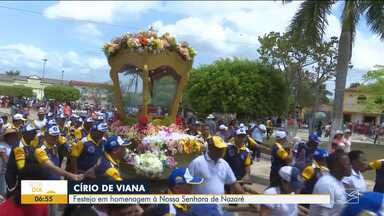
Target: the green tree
(374, 86)
(305, 68)
(309, 24)
(12, 72)
(248, 88)
(62, 93)
(16, 91)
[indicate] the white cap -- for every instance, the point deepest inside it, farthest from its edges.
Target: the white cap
(347, 131)
(262, 127)
(18, 116)
(241, 131)
(223, 127)
(242, 125)
(280, 134)
(339, 132)
(292, 175)
(210, 116)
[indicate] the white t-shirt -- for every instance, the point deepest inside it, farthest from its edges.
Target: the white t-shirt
(348, 144)
(327, 184)
(215, 175)
(279, 209)
(40, 123)
(355, 181)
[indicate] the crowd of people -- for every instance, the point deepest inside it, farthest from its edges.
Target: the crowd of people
(78, 145)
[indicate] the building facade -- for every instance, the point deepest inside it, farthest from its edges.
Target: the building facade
(91, 92)
(355, 109)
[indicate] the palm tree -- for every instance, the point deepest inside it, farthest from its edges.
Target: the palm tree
(309, 24)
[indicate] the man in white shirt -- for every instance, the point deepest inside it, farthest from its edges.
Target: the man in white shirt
(339, 167)
(214, 169)
(41, 121)
(356, 180)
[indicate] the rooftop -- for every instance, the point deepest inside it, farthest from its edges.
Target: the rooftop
(5, 77)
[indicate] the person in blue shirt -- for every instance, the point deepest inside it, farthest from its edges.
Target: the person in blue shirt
(238, 156)
(314, 171)
(304, 151)
(47, 156)
(86, 152)
(114, 152)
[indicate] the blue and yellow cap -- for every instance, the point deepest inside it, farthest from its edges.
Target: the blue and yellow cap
(102, 127)
(114, 142)
(181, 176)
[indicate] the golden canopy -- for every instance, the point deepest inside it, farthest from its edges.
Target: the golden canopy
(149, 57)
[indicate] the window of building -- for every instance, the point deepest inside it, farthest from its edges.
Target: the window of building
(361, 99)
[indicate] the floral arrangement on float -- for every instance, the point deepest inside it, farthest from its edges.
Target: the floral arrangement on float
(149, 41)
(157, 149)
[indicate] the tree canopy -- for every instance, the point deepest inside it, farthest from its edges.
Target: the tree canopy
(16, 91)
(239, 86)
(12, 72)
(62, 93)
(374, 86)
(305, 68)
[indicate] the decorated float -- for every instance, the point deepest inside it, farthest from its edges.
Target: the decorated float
(149, 73)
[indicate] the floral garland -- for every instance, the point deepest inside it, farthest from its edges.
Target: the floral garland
(158, 147)
(149, 41)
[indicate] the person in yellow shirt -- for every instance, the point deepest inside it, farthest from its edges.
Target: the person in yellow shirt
(22, 155)
(378, 166)
(115, 151)
(47, 156)
(314, 171)
(280, 156)
(239, 157)
(86, 152)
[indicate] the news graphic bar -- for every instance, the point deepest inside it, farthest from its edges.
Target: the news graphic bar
(138, 192)
(197, 199)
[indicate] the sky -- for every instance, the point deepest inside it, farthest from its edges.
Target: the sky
(71, 34)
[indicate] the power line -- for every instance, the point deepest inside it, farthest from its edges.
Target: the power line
(134, 28)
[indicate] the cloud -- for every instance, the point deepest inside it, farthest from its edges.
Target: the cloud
(227, 28)
(98, 11)
(89, 30)
(28, 59)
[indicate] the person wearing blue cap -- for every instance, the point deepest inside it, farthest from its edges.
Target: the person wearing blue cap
(304, 152)
(115, 151)
(314, 171)
(47, 156)
(180, 181)
(22, 155)
(369, 204)
(86, 152)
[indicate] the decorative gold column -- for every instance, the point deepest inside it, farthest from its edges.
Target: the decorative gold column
(178, 97)
(145, 89)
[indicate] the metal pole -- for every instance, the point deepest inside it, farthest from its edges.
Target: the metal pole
(44, 62)
(62, 77)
